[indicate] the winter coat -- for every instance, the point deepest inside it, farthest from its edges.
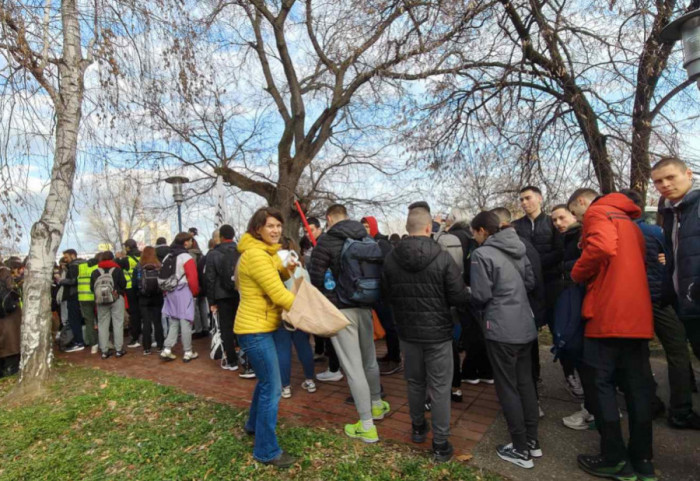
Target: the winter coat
(501, 276)
(117, 276)
(617, 303)
(546, 239)
(215, 272)
(262, 291)
(70, 282)
(421, 282)
(326, 255)
(463, 233)
(10, 330)
(682, 230)
(179, 304)
(162, 251)
(536, 295)
(658, 275)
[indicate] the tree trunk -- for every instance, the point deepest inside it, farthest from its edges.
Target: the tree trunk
(47, 232)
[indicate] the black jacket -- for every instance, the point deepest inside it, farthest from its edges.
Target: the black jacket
(326, 255)
(162, 251)
(536, 295)
(70, 282)
(546, 239)
(384, 243)
(422, 282)
(216, 271)
(117, 276)
(461, 230)
(658, 275)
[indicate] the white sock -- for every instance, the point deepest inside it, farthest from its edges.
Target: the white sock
(367, 425)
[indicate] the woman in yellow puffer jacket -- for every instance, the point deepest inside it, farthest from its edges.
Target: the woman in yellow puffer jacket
(263, 297)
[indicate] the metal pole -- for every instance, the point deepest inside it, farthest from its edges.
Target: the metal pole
(179, 217)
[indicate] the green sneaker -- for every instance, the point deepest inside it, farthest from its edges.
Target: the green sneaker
(378, 412)
(356, 431)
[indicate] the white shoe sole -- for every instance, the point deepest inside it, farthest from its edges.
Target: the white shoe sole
(536, 453)
(518, 462)
(334, 379)
(575, 427)
(309, 390)
(473, 382)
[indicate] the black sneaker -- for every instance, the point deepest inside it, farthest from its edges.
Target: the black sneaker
(390, 367)
(457, 396)
(644, 470)
(598, 466)
(134, 344)
(120, 353)
(284, 461)
(247, 373)
(534, 446)
(105, 355)
(75, 347)
(442, 452)
(146, 352)
(689, 421)
(419, 434)
(519, 458)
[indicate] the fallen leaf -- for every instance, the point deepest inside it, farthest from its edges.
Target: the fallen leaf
(464, 457)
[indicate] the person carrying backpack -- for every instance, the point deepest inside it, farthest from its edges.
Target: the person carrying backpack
(150, 299)
(221, 291)
(108, 285)
(180, 285)
(128, 264)
(351, 283)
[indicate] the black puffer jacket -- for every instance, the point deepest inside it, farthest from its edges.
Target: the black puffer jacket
(658, 276)
(546, 239)
(220, 263)
(421, 281)
(327, 254)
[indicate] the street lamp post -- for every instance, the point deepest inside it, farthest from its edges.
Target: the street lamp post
(178, 196)
(687, 29)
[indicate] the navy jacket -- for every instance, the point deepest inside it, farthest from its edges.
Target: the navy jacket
(660, 283)
(546, 239)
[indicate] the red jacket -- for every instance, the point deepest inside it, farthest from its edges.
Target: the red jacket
(617, 302)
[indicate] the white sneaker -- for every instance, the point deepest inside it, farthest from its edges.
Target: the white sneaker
(573, 385)
(309, 385)
(579, 420)
(94, 349)
(189, 355)
(229, 367)
(286, 392)
(539, 406)
(329, 376)
(154, 344)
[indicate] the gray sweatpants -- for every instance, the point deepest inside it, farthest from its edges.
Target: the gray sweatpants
(428, 368)
(174, 330)
(113, 313)
(355, 348)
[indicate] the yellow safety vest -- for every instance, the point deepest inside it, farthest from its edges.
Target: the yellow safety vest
(133, 262)
(84, 274)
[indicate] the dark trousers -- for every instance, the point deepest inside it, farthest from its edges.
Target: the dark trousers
(671, 332)
(624, 362)
(327, 349)
(428, 370)
(134, 314)
(75, 320)
(476, 364)
(318, 345)
(512, 372)
(692, 330)
(151, 321)
(227, 316)
(386, 318)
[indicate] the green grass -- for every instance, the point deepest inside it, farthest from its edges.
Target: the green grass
(97, 426)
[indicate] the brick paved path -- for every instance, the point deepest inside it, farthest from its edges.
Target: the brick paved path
(203, 377)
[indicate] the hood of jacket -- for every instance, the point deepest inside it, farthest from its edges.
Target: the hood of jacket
(92, 262)
(507, 241)
(249, 242)
(107, 264)
(621, 202)
(415, 253)
(348, 229)
(373, 226)
(573, 230)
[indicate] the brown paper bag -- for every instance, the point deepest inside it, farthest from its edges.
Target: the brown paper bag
(312, 312)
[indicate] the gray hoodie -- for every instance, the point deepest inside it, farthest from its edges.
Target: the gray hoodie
(501, 276)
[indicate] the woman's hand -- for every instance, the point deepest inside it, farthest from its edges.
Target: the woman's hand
(292, 266)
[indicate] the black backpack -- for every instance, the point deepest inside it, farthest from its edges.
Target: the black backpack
(147, 280)
(359, 281)
(230, 259)
(167, 276)
(9, 301)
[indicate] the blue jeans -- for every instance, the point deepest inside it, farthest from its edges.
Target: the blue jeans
(283, 340)
(262, 420)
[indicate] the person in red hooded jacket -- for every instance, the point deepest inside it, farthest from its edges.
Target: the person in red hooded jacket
(391, 362)
(619, 323)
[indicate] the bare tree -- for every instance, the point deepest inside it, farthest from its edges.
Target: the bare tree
(294, 76)
(556, 91)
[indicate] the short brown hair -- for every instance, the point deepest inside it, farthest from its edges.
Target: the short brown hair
(337, 210)
(666, 161)
(181, 238)
(260, 218)
(584, 191)
(559, 206)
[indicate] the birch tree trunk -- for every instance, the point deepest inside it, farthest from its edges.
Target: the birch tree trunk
(47, 232)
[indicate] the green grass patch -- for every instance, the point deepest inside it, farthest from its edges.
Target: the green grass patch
(96, 426)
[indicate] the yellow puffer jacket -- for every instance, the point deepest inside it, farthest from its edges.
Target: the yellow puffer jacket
(263, 295)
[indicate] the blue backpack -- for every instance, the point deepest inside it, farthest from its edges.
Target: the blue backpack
(568, 322)
(359, 282)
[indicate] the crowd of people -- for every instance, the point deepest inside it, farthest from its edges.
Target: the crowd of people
(602, 279)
